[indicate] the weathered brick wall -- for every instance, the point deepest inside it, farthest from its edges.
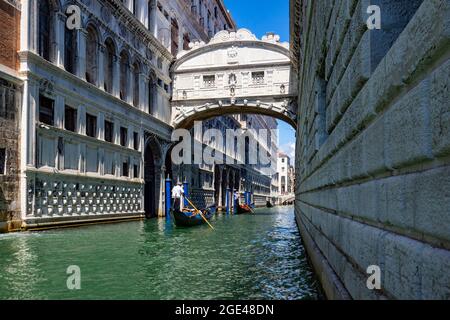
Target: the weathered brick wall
(9, 116)
(9, 140)
(9, 34)
(373, 144)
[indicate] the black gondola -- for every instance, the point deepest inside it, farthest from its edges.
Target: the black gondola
(269, 204)
(190, 219)
(243, 208)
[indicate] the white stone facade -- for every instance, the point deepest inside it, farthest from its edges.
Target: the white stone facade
(93, 100)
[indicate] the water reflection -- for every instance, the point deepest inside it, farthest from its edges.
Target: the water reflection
(247, 257)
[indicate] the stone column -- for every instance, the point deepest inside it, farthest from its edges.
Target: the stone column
(153, 23)
(101, 67)
(59, 112)
(145, 103)
(59, 43)
(28, 25)
(162, 183)
(118, 164)
(101, 126)
(81, 115)
(130, 137)
(101, 159)
(143, 14)
(30, 109)
(82, 164)
(131, 84)
(116, 77)
(81, 59)
(27, 132)
(142, 91)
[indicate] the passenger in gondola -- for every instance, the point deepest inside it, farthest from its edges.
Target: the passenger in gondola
(177, 193)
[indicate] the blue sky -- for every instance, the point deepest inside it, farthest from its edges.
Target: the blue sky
(261, 16)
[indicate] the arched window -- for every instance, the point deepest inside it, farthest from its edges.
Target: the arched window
(44, 29)
(136, 73)
(124, 75)
(70, 50)
(110, 52)
(91, 55)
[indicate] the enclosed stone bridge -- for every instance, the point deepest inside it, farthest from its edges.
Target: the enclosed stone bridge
(234, 73)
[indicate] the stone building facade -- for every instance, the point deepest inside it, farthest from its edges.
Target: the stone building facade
(95, 113)
(10, 98)
(92, 106)
(283, 168)
(373, 142)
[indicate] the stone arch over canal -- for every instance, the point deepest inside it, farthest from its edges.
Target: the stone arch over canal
(234, 73)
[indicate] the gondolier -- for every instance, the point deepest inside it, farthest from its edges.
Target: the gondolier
(236, 200)
(177, 193)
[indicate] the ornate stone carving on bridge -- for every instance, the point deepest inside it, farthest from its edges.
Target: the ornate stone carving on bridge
(234, 73)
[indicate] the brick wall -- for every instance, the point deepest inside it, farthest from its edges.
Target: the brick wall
(9, 141)
(9, 34)
(373, 146)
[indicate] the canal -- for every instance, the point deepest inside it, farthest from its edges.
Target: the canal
(256, 256)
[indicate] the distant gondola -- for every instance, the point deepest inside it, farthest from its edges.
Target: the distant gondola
(190, 219)
(269, 204)
(243, 208)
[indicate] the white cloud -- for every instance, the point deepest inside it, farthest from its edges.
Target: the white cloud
(289, 149)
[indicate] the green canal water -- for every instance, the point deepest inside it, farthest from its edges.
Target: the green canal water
(256, 256)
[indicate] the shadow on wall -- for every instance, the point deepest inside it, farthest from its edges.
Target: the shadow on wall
(3, 204)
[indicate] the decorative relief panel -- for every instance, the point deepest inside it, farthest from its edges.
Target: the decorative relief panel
(55, 197)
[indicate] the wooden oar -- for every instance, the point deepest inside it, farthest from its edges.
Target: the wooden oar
(201, 214)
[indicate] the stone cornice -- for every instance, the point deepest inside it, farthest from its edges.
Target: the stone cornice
(295, 28)
(15, 3)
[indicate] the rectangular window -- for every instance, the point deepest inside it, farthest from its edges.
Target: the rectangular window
(125, 169)
(70, 119)
(123, 136)
(258, 77)
(2, 161)
(136, 171)
(136, 141)
(46, 110)
(7, 100)
(209, 81)
(91, 125)
(109, 131)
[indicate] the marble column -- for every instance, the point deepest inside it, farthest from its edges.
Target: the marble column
(81, 54)
(81, 119)
(144, 101)
(116, 77)
(101, 67)
(141, 91)
(130, 84)
(58, 44)
(28, 25)
(59, 112)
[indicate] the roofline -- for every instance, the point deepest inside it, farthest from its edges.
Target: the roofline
(226, 14)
